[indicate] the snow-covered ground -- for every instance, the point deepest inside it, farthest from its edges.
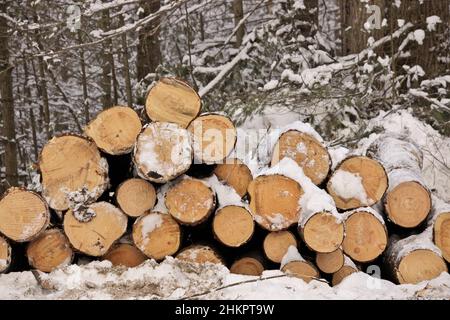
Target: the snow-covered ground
(173, 279)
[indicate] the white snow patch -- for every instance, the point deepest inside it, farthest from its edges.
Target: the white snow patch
(149, 223)
(348, 185)
(272, 84)
(291, 254)
(226, 195)
(3, 264)
(338, 154)
(432, 21)
(419, 36)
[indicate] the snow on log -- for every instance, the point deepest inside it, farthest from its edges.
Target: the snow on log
(414, 259)
(235, 174)
(440, 221)
(357, 182)
(233, 225)
(330, 262)
(50, 251)
(172, 100)
(214, 137)
(157, 235)
(294, 264)
(114, 130)
(347, 269)
(125, 254)
(135, 197)
(190, 201)
(163, 151)
(277, 243)
(200, 254)
(23, 214)
(72, 164)
(5, 255)
(94, 237)
(407, 201)
(366, 236)
(249, 265)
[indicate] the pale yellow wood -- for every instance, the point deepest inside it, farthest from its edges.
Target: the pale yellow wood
(277, 243)
(330, 262)
(5, 254)
(234, 173)
(323, 233)
(420, 265)
(442, 234)
(233, 226)
(135, 197)
(200, 254)
(126, 255)
(341, 274)
(301, 269)
(247, 266)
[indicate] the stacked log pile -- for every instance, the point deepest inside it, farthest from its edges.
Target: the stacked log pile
(127, 192)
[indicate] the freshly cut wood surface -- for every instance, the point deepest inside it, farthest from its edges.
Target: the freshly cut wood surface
(301, 269)
(233, 225)
(341, 274)
(163, 151)
(96, 236)
(442, 234)
(5, 254)
(365, 171)
(124, 254)
(234, 173)
(323, 233)
(330, 262)
(247, 266)
(157, 235)
(190, 201)
(277, 243)
(114, 130)
(200, 254)
(172, 100)
(135, 197)
(274, 201)
(309, 154)
(51, 250)
(23, 214)
(68, 164)
(420, 265)
(214, 137)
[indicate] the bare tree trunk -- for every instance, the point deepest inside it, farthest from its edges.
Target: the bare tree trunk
(126, 67)
(115, 83)
(238, 11)
(6, 91)
(27, 92)
(149, 54)
(84, 81)
(106, 67)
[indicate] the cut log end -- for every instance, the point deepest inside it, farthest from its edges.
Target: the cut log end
(323, 233)
(420, 265)
(330, 262)
(50, 251)
(114, 130)
(214, 138)
(233, 226)
(126, 255)
(96, 236)
(190, 201)
(5, 255)
(408, 204)
(274, 201)
(172, 100)
(247, 266)
(135, 197)
(23, 214)
(157, 235)
(236, 174)
(277, 243)
(69, 164)
(442, 234)
(309, 154)
(200, 254)
(163, 151)
(301, 269)
(357, 182)
(366, 237)
(341, 274)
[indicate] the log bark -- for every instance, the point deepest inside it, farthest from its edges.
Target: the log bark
(135, 197)
(5, 255)
(72, 166)
(162, 152)
(407, 201)
(172, 100)
(309, 153)
(276, 244)
(124, 254)
(414, 259)
(214, 138)
(115, 130)
(233, 225)
(23, 214)
(274, 201)
(238, 12)
(357, 182)
(365, 234)
(235, 174)
(440, 221)
(347, 269)
(200, 254)
(50, 251)
(94, 237)
(157, 235)
(190, 201)
(330, 262)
